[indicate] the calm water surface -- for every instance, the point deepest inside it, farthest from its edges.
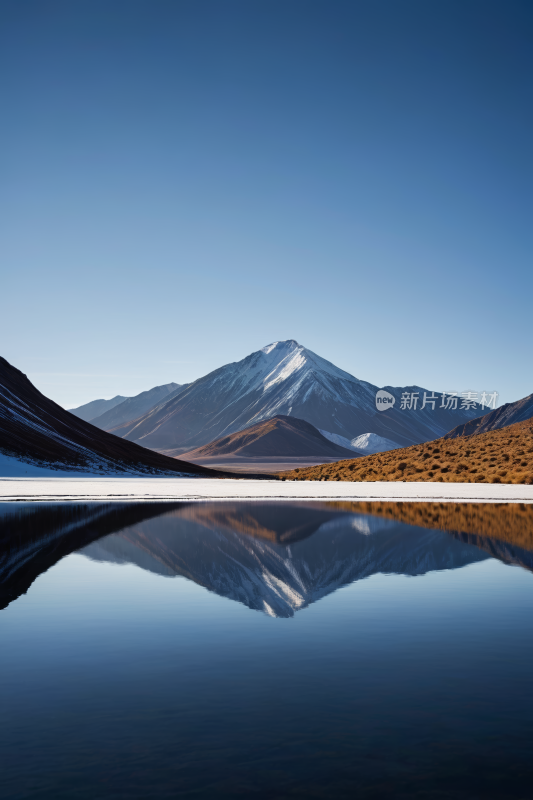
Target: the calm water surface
(262, 650)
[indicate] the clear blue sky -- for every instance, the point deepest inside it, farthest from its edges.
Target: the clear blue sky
(184, 182)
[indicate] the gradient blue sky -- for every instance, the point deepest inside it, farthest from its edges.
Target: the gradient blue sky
(185, 182)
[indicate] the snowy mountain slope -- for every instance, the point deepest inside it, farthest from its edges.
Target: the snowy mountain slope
(12, 466)
(284, 378)
(90, 411)
(38, 432)
(133, 407)
(369, 443)
(342, 441)
(278, 577)
(366, 444)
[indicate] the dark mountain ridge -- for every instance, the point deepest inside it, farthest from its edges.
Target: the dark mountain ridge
(501, 417)
(36, 429)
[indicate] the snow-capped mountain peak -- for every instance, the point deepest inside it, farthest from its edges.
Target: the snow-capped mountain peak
(288, 379)
(286, 346)
(284, 360)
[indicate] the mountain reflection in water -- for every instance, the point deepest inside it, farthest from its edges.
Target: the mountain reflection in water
(272, 557)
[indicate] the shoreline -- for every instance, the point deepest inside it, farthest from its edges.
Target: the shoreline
(135, 489)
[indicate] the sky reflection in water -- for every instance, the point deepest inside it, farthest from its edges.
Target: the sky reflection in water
(271, 650)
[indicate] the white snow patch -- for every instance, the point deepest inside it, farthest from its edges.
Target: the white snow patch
(13, 467)
(369, 443)
(190, 489)
(366, 443)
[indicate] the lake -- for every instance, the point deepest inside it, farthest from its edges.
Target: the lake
(266, 650)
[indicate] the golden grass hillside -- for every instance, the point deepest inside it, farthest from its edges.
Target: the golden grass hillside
(499, 456)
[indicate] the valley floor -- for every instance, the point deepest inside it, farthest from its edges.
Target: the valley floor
(261, 464)
(196, 489)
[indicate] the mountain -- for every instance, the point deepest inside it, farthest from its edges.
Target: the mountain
(501, 417)
(365, 444)
(286, 378)
(34, 429)
(93, 409)
(280, 436)
(126, 408)
(133, 407)
(503, 455)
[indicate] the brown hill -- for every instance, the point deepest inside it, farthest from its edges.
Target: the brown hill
(32, 427)
(499, 456)
(279, 436)
(501, 417)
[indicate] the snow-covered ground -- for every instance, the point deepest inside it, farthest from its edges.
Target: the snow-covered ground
(86, 488)
(15, 468)
(11, 467)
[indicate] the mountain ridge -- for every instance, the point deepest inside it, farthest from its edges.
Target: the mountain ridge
(93, 409)
(285, 378)
(134, 407)
(35, 429)
(278, 436)
(98, 412)
(502, 417)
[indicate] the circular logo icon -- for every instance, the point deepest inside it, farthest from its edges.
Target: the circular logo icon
(384, 400)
